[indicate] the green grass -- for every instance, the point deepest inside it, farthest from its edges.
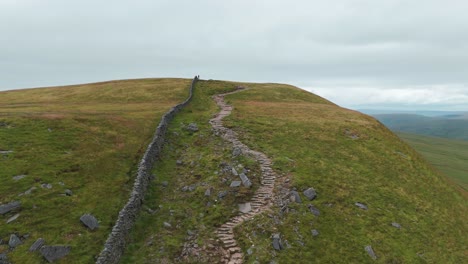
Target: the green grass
(448, 155)
(88, 137)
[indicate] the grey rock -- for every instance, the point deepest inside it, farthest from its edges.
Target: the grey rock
(208, 192)
(313, 210)
(396, 225)
(167, 225)
(277, 243)
(234, 172)
(179, 162)
(310, 193)
(315, 232)
(14, 241)
(6, 152)
(361, 205)
(37, 245)
(245, 180)
(13, 218)
(46, 186)
(89, 221)
(235, 184)
(53, 253)
(30, 190)
(5, 208)
(249, 251)
(164, 183)
(371, 252)
(295, 197)
(245, 207)
(68, 192)
(61, 184)
(190, 233)
(192, 127)
(18, 177)
(222, 194)
(236, 151)
(4, 258)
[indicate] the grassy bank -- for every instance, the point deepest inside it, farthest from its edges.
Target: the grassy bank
(85, 138)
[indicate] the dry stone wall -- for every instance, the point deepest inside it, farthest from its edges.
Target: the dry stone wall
(116, 241)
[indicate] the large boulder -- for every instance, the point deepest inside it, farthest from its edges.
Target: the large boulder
(37, 245)
(53, 253)
(277, 243)
(294, 195)
(5, 208)
(14, 241)
(89, 221)
(310, 193)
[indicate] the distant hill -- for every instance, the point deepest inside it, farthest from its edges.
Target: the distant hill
(454, 126)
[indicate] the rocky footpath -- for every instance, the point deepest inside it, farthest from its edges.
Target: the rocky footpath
(262, 199)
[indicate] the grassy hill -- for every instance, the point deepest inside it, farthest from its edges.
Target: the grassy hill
(346, 156)
(448, 155)
(450, 126)
(85, 138)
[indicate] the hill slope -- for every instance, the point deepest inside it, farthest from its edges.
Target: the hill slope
(85, 138)
(448, 155)
(346, 156)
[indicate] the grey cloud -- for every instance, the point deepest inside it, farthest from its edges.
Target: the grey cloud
(330, 46)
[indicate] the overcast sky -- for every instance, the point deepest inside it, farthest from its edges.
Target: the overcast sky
(359, 54)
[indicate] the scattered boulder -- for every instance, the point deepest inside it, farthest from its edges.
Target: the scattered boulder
(4, 258)
(164, 184)
(53, 253)
(5, 208)
(37, 245)
(245, 207)
(234, 172)
(315, 232)
(192, 127)
(46, 186)
(235, 184)
(167, 225)
(208, 192)
(179, 162)
(61, 184)
(28, 191)
(68, 192)
(14, 241)
(6, 152)
(277, 243)
(294, 196)
(236, 151)
(361, 205)
(18, 177)
(222, 194)
(89, 221)
(371, 252)
(396, 225)
(310, 194)
(13, 218)
(313, 210)
(245, 180)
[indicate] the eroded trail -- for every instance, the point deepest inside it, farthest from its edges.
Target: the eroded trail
(262, 199)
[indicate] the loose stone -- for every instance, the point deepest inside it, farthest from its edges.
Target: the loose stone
(37, 245)
(89, 221)
(5, 208)
(53, 253)
(14, 241)
(310, 193)
(371, 252)
(361, 205)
